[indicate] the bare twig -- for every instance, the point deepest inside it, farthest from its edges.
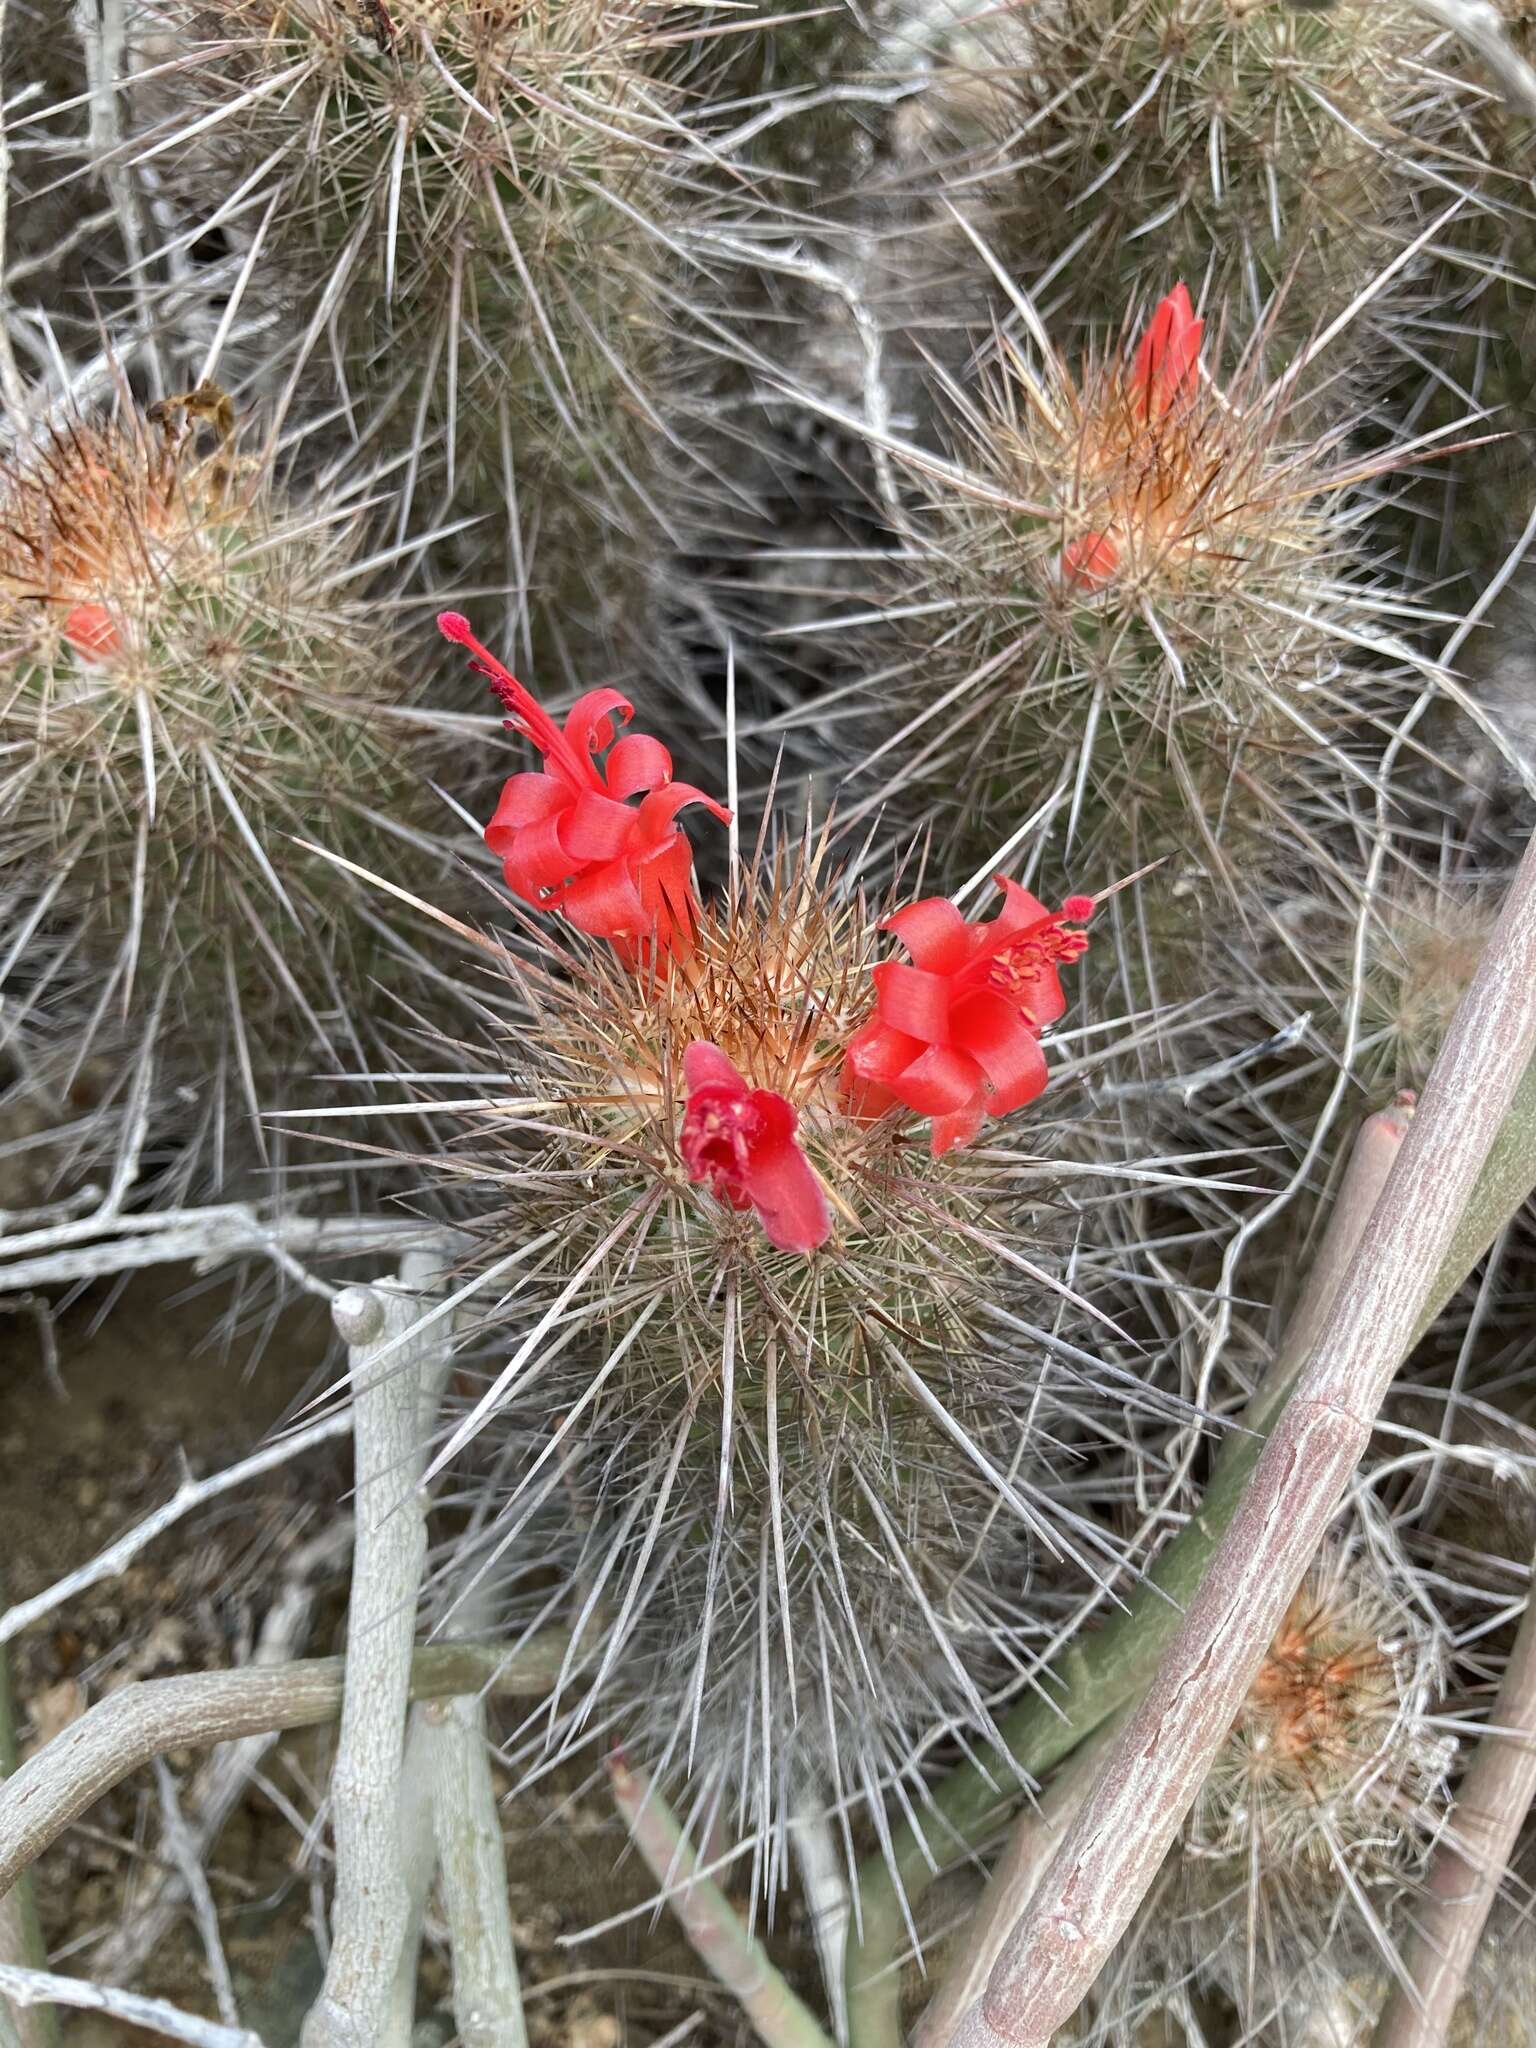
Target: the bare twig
(1035, 1836)
(190, 1495)
(180, 1847)
(41, 1987)
(1491, 1805)
(1111, 1854)
(131, 1727)
(220, 1783)
(487, 2000)
(824, 1883)
(1098, 1677)
(714, 1930)
(368, 1996)
(65, 1253)
(21, 1934)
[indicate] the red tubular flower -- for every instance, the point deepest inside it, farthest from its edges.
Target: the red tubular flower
(1168, 355)
(1090, 562)
(569, 837)
(740, 1143)
(955, 1036)
(91, 630)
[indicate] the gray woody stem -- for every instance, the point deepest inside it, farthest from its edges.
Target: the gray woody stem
(1113, 1851)
(472, 1878)
(367, 1998)
(38, 1987)
(733, 1957)
(130, 1728)
(1010, 1888)
(1491, 1806)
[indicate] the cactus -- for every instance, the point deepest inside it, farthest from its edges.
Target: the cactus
(1261, 148)
(190, 683)
(821, 1438)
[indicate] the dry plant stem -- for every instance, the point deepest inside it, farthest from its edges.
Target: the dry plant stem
(364, 2002)
(190, 1495)
(221, 1783)
(64, 1253)
(40, 1987)
(21, 1934)
(1128, 1822)
(1491, 1806)
(713, 1928)
(130, 1728)
(1099, 1678)
(472, 1878)
(180, 1847)
(1035, 1835)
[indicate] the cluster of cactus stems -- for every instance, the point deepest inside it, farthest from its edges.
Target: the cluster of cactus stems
(888, 1210)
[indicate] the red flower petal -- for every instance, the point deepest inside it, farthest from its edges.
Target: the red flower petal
(597, 829)
(533, 859)
(940, 1081)
(991, 1030)
(706, 1066)
(1090, 562)
(1169, 351)
(592, 720)
(658, 811)
(934, 933)
(525, 800)
(92, 630)
(951, 1132)
(605, 903)
(782, 1186)
(637, 763)
(914, 1001)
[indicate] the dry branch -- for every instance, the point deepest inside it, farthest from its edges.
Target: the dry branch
(191, 1494)
(1491, 1806)
(41, 1987)
(713, 1927)
(130, 1728)
(397, 1373)
(1126, 1826)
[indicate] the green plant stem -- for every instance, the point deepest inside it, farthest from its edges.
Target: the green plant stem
(1111, 1669)
(733, 1956)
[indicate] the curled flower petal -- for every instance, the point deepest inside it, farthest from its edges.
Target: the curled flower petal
(740, 1143)
(934, 933)
(637, 765)
(593, 720)
(998, 1039)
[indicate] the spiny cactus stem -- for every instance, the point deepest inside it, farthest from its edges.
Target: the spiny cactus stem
(708, 1919)
(1155, 1768)
(1480, 25)
(394, 1383)
(1491, 1805)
